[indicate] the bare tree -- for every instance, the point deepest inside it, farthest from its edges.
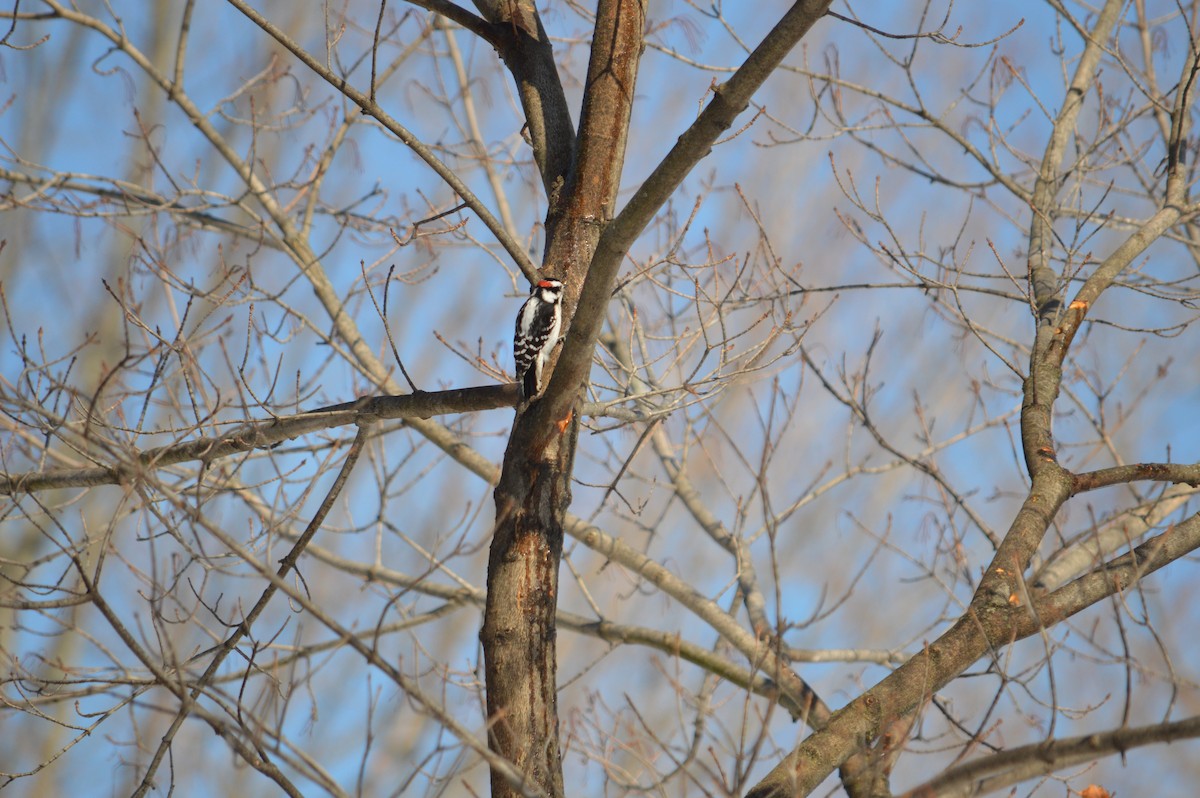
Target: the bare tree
(865, 453)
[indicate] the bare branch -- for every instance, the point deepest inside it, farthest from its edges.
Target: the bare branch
(372, 109)
(997, 771)
(267, 434)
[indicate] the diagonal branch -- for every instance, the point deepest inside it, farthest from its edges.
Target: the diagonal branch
(1119, 532)
(794, 694)
(243, 628)
(997, 615)
(972, 636)
(1005, 768)
(729, 100)
(461, 16)
(529, 56)
(376, 112)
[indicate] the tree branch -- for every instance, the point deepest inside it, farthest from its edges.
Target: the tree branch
(1123, 530)
(266, 434)
(1005, 768)
(995, 617)
(729, 100)
(242, 629)
(1043, 281)
(795, 695)
(534, 490)
(1120, 475)
(462, 17)
(527, 52)
(130, 194)
(424, 152)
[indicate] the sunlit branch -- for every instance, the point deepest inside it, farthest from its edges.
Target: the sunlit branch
(1005, 768)
(267, 434)
(423, 151)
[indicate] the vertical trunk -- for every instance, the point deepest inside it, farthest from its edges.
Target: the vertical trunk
(534, 493)
(519, 630)
(534, 489)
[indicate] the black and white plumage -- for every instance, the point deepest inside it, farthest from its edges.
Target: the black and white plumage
(539, 323)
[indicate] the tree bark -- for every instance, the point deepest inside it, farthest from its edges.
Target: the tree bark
(585, 248)
(534, 491)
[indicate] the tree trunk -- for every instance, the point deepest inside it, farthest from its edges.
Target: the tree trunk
(534, 492)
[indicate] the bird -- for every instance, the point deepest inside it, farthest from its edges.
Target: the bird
(539, 323)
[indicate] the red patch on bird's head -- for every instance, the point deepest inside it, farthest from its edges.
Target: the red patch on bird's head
(547, 283)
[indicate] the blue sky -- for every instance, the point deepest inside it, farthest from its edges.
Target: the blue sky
(55, 264)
